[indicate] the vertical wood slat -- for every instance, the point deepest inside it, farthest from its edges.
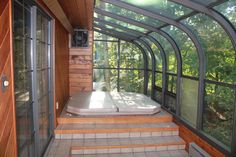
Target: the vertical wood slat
(8, 147)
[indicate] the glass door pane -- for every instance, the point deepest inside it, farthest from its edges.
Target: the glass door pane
(23, 79)
(31, 79)
(43, 79)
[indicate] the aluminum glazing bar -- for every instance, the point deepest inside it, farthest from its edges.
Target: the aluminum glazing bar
(153, 64)
(164, 66)
(114, 31)
(218, 17)
(136, 33)
(103, 26)
(145, 67)
(192, 36)
(112, 35)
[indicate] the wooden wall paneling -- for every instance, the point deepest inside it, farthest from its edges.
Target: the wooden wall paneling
(189, 137)
(89, 9)
(57, 10)
(61, 67)
(8, 147)
(79, 12)
(81, 68)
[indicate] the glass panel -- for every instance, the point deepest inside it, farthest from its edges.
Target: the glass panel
(163, 7)
(171, 83)
(171, 59)
(22, 47)
(39, 27)
(27, 22)
(130, 56)
(99, 36)
(131, 81)
(22, 81)
(158, 82)
(111, 28)
(158, 96)
(218, 112)
(105, 79)
(43, 121)
(127, 13)
(228, 9)
(45, 30)
(220, 55)
(149, 58)
(189, 100)
(157, 54)
(105, 54)
(18, 20)
(149, 89)
(25, 136)
(190, 60)
(43, 80)
(124, 24)
(170, 102)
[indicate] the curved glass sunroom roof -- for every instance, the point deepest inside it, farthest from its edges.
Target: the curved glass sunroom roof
(191, 42)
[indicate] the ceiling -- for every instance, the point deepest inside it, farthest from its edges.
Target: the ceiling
(79, 12)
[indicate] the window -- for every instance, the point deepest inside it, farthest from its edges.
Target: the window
(118, 65)
(218, 112)
(189, 100)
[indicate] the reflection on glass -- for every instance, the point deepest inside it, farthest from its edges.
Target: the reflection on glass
(163, 7)
(228, 9)
(130, 14)
(43, 80)
(131, 81)
(99, 36)
(189, 100)
(105, 80)
(111, 28)
(124, 24)
(22, 80)
(218, 112)
(18, 20)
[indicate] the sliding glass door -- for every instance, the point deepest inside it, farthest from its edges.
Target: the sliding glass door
(32, 74)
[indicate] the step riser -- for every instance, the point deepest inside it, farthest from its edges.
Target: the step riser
(115, 120)
(128, 150)
(117, 135)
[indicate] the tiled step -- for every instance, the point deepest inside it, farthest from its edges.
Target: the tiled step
(170, 153)
(88, 131)
(127, 145)
(156, 118)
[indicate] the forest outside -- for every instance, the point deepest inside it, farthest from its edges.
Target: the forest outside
(125, 71)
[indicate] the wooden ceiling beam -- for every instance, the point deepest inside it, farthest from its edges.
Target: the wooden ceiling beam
(57, 10)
